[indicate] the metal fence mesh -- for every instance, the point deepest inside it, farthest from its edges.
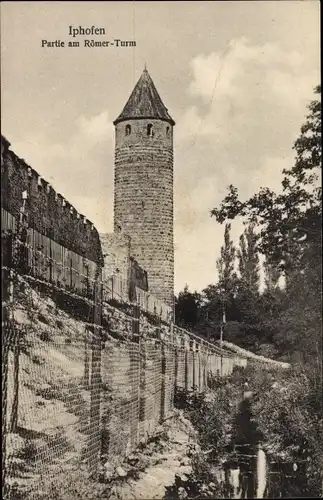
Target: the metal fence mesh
(169, 375)
(181, 367)
(153, 375)
(120, 409)
(73, 400)
(53, 432)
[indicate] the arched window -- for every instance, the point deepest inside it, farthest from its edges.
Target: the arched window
(128, 129)
(167, 131)
(149, 129)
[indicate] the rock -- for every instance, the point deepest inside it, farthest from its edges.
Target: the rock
(113, 491)
(121, 472)
(182, 493)
(183, 477)
(185, 461)
(108, 471)
(132, 460)
(186, 469)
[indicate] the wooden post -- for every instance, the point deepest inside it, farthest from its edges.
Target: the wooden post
(207, 367)
(163, 381)
(133, 379)
(136, 322)
(199, 354)
(175, 344)
(95, 382)
(142, 386)
(6, 261)
(204, 367)
(135, 390)
(86, 361)
(193, 363)
(186, 347)
(19, 263)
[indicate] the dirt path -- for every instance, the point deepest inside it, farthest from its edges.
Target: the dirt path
(161, 461)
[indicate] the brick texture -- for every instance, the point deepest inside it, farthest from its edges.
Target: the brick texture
(143, 199)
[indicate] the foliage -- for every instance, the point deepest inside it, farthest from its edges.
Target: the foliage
(187, 308)
(288, 219)
(199, 484)
(289, 237)
(225, 266)
(210, 415)
(287, 406)
(249, 259)
(272, 275)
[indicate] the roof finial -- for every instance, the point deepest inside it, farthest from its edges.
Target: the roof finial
(145, 68)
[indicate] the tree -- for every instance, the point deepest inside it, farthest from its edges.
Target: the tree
(290, 236)
(187, 308)
(248, 259)
(289, 219)
(290, 239)
(225, 266)
(272, 275)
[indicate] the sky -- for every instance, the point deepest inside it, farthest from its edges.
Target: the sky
(235, 76)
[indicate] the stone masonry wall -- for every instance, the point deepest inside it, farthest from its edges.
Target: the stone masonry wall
(143, 199)
(116, 254)
(48, 212)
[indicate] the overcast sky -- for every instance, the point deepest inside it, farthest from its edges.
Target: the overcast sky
(235, 76)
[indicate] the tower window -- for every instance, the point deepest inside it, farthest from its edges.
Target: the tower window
(149, 129)
(167, 131)
(128, 129)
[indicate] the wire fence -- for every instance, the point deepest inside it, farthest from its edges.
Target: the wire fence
(79, 401)
(73, 395)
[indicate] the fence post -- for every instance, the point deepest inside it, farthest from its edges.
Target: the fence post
(199, 354)
(94, 447)
(175, 344)
(134, 415)
(19, 263)
(142, 386)
(6, 257)
(136, 321)
(4, 374)
(163, 380)
(186, 348)
(207, 367)
(86, 360)
(135, 383)
(205, 364)
(193, 347)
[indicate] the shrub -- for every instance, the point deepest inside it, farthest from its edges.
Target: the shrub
(289, 415)
(46, 336)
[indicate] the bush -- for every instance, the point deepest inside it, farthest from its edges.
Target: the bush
(201, 483)
(45, 336)
(210, 416)
(288, 411)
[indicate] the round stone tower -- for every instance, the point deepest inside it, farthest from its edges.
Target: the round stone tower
(143, 184)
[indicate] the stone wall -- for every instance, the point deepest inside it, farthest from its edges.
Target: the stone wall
(116, 254)
(143, 199)
(118, 262)
(48, 212)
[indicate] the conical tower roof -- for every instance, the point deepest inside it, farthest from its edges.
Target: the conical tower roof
(144, 102)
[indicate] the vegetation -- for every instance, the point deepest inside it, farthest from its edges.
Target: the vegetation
(283, 230)
(283, 320)
(211, 417)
